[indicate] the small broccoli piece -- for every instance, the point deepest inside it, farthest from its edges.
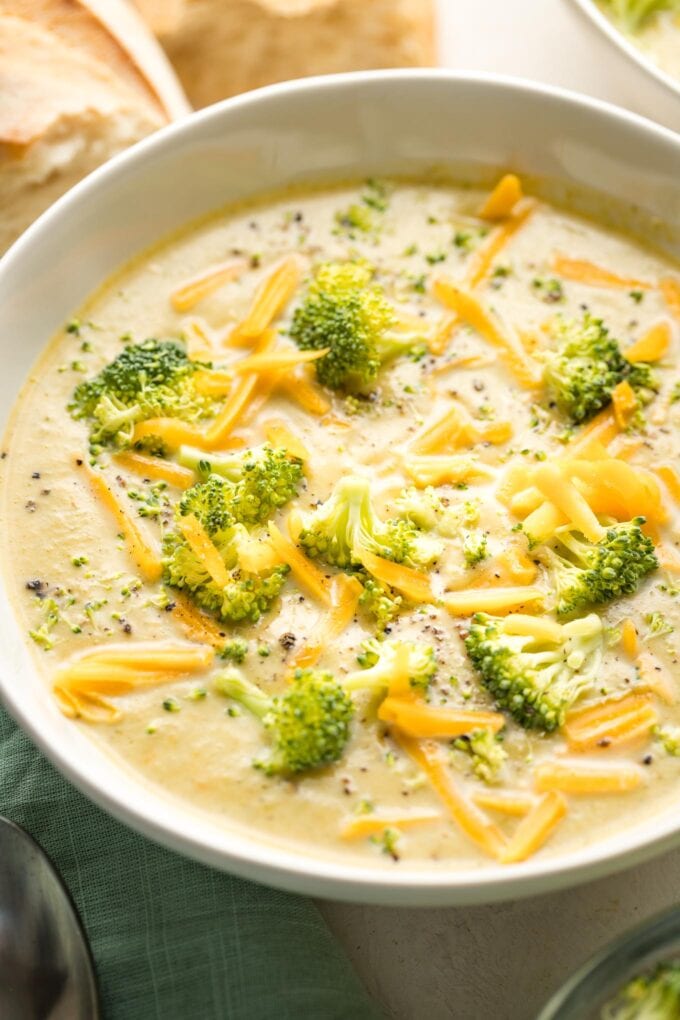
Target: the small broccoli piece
(669, 738)
(592, 573)
(653, 996)
(147, 380)
(379, 658)
(475, 547)
(254, 484)
(247, 595)
(235, 649)
(380, 602)
(657, 625)
(346, 524)
(308, 726)
(486, 754)
(587, 365)
(344, 311)
(634, 14)
(431, 512)
(533, 679)
(244, 598)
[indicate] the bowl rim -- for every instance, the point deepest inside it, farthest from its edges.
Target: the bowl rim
(252, 856)
(611, 965)
(618, 38)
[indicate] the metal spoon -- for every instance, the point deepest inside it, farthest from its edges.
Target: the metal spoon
(46, 970)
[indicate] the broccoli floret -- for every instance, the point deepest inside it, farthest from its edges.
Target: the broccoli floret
(380, 602)
(247, 594)
(308, 726)
(344, 311)
(244, 598)
(210, 501)
(475, 547)
(486, 753)
(669, 738)
(587, 365)
(633, 14)
(346, 524)
(534, 679)
(379, 658)
(262, 480)
(592, 573)
(235, 649)
(654, 996)
(147, 380)
(431, 512)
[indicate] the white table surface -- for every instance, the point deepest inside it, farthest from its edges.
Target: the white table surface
(501, 962)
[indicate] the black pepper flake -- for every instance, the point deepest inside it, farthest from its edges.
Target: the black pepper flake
(31, 506)
(3, 455)
(36, 474)
(647, 760)
(287, 640)
(79, 462)
(35, 584)
(170, 606)
(127, 628)
(45, 492)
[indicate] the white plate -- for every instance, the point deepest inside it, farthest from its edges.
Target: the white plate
(333, 127)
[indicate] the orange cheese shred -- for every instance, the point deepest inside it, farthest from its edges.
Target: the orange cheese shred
(470, 819)
(299, 387)
(610, 724)
(629, 638)
(443, 469)
(485, 256)
(670, 477)
(411, 583)
(363, 826)
(416, 718)
(278, 433)
(625, 403)
(141, 550)
(270, 299)
(670, 289)
(204, 549)
(303, 570)
(189, 293)
(470, 310)
(503, 199)
(535, 828)
(652, 346)
(583, 271)
(577, 778)
(565, 496)
(514, 803)
(154, 467)
(490, 600)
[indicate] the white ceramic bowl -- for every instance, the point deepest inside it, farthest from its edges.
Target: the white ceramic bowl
(659, 87)
(334, 127)
(567, 43)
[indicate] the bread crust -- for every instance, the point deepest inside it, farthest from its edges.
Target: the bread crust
(75, 89)
(223, 47)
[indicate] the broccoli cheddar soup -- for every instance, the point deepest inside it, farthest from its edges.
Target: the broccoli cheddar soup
(349, 518)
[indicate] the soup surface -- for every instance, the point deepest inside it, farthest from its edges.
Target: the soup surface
(656, 34)
(368, 415)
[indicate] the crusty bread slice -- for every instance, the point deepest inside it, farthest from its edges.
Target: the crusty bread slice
(222, 47)
(71, 95)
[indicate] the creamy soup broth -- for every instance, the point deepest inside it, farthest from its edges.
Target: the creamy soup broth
(63, 547)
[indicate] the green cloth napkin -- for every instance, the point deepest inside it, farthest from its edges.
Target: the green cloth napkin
(173, 939)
